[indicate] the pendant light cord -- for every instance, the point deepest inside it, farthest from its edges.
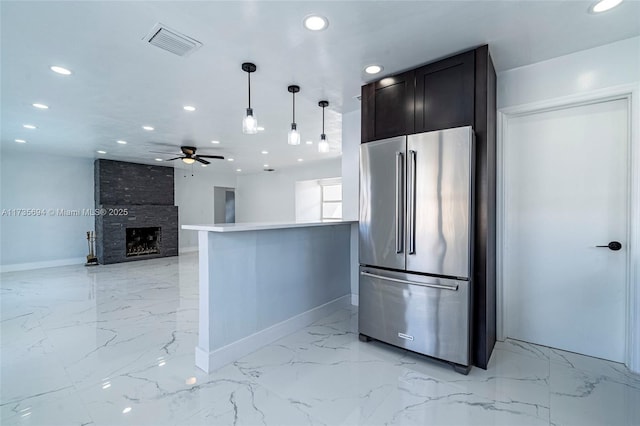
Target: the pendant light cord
(249, 83)
(294, 106)
(323, 120)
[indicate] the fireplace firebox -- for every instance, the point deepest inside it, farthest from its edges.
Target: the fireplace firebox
(143, 241)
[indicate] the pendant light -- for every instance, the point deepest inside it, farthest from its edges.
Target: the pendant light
(294, 135)
(323, 145)
(249, 122)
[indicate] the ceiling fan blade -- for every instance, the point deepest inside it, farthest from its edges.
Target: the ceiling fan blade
(171, 159)
(197, 158)
(219, 157)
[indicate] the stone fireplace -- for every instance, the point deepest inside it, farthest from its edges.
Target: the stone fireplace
(138, 218)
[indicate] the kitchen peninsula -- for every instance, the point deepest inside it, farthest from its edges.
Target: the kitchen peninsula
(261, 281)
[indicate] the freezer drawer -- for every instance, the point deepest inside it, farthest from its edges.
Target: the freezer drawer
(428, 315)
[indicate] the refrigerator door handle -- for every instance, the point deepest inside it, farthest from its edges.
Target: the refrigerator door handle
(399, 203)
(398, 280)
(412, 203)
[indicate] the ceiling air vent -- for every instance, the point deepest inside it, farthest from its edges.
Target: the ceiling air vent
(171, 40)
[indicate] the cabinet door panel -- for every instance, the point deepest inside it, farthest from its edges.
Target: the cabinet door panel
(387, 107)
(444, 95)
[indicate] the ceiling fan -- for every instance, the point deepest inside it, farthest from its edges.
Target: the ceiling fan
(190, 156)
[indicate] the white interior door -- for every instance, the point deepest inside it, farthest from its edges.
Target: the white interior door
(566, 191)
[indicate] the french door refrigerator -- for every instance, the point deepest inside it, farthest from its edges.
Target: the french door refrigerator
(416, 230)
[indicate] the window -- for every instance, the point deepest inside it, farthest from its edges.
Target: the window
(319, 200)
(331, 201)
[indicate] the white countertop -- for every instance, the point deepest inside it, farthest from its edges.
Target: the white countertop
(259, 226)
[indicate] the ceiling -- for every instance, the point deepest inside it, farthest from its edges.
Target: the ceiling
(120, 82)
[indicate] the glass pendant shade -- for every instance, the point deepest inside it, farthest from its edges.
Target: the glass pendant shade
(294, 135)
(249, 123)
(323, 145)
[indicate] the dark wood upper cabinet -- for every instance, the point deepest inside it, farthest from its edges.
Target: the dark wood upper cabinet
(444, 94)
(436, 96)
(387, 107)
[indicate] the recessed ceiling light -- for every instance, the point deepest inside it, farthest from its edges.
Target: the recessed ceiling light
(126, 410)
(238, 170)
(229, 159)
(148, 128)
(315, 22)
(41, 106)
(60, 70)
(159, 159)
(309, 142)
(373, 69)
(264, 152)
(28, 126)
(101, 152)
(216, 142)
(122, 142)
(21, 141)
(300, 159)
(260, 129)
(266, 165)
(189, 108)
(203, 165)
(604, 5)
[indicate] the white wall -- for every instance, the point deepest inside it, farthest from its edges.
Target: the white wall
(44, 182)
(581, 74)
(350, 164)
(270, 196)
(601, 67)
(195, 201)
(351, 187)
(307, 199)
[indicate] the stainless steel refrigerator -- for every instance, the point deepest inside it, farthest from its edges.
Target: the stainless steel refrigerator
(416, 230)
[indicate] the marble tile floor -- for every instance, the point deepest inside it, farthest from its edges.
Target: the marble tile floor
(114, 345)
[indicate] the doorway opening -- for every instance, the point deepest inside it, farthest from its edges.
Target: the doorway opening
(224, 205)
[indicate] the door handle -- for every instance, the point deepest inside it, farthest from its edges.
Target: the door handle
(412, 202)
(613, 245)
(453, 287)
(399, 203)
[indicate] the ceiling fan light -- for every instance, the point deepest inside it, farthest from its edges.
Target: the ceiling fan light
(249, 123)
(188, 160)
(294, 135)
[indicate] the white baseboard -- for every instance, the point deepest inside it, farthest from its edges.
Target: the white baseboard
(40, 265)
(355, 299)
(210, 361)
(188, 249)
